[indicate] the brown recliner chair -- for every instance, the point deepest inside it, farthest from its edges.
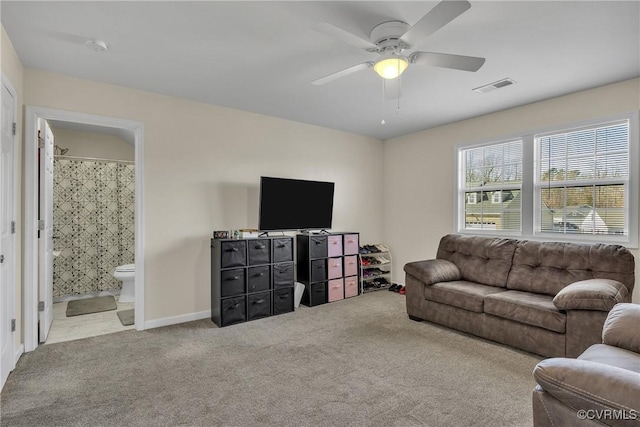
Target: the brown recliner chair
(601, 386)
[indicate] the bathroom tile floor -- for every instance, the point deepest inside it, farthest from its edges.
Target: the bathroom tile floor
(88, 325)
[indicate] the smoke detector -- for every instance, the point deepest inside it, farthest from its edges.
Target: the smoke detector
(495, 85)
(97, 45)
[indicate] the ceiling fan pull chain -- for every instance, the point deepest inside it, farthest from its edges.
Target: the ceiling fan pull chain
(383, 90)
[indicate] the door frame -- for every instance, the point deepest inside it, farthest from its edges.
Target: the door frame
(4, 80)
(30, 260)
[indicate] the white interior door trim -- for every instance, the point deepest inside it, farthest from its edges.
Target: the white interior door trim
(30, 258)
(4, 80)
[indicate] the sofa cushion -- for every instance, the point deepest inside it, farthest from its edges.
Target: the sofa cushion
(547, 267)
(613, 356)
(524, 307)
(460, 293)
(484, 260)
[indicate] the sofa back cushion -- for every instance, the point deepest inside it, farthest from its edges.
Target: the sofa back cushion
(485, 260)
(547, 267)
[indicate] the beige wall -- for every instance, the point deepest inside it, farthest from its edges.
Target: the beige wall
(91, 144)
(13, 71)
(202, 166)
(419, 168)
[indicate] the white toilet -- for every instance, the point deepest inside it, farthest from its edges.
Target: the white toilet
(127, 274)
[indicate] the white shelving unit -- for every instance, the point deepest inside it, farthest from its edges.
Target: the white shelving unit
(375, 268)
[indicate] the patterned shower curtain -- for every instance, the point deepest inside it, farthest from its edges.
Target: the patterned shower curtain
(93, 223)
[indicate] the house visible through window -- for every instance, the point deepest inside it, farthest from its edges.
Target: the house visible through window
(577, 183)
(582, 180)
(491, 186)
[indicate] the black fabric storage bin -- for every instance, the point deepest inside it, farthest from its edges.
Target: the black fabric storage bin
(232, 282)
(259, 305)
(318, 270)
(317, 293)
(283, 275)
(283, 249)
(318, 247)
(234, 254)
(258, 279)
(233, 310)
(259, 251)
(282, 300)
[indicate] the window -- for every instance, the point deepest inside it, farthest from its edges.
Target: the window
(492, 180)
(571, 183)
(496, 197)
(582, 180)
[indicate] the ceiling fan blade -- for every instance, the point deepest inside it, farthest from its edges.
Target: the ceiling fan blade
(392, 88)
(344, 35)
(341, 73)
(446, 60)
(438, 17)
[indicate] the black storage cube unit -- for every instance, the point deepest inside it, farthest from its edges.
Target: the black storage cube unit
(282, 249)
(283, 275)
(321, 258)
(232, 282)
(259, 305)
(259, 251)
(282, 300)
(244, 275)
(259, 278)
(234, 310)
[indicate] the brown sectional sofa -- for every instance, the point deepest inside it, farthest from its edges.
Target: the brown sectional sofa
(547, 298)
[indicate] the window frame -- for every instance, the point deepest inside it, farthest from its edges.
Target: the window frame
(530, 216)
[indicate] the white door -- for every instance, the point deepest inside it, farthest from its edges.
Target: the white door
(45, 238)
(7, 230)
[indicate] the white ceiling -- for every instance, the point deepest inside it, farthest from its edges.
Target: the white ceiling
(260, 56)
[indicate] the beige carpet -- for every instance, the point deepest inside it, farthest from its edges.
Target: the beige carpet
(359, 362)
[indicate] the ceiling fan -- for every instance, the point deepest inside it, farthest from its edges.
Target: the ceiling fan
(393, 39)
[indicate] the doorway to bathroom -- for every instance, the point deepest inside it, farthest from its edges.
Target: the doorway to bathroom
(94, 194)
(93, 230)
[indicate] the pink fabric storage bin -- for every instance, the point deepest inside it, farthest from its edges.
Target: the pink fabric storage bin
(334, 268)
(336, 290)
(334, 244)
(350, 287)
(351, 244)
(351, 265)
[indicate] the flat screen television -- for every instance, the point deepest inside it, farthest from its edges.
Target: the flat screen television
(295, 204)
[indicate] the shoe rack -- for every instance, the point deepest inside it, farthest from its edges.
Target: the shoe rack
(375, 267)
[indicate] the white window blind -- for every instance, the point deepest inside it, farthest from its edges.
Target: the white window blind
(491, 184)
(582, 180)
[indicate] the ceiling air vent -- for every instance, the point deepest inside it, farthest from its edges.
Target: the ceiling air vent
(495, 85)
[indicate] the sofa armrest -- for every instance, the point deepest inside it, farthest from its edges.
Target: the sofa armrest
(433, 271)
(591, 386)
(592, 294)
(621, 327)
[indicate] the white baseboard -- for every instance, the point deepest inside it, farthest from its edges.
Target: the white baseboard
(173, 320)
(18, 354)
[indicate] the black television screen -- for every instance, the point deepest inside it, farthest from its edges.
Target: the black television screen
(295, 204)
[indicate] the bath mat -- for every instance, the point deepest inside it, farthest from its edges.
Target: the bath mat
(126, 317)
(91, 305)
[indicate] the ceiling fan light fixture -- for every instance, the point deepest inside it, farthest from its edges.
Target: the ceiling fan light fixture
(391, 66)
